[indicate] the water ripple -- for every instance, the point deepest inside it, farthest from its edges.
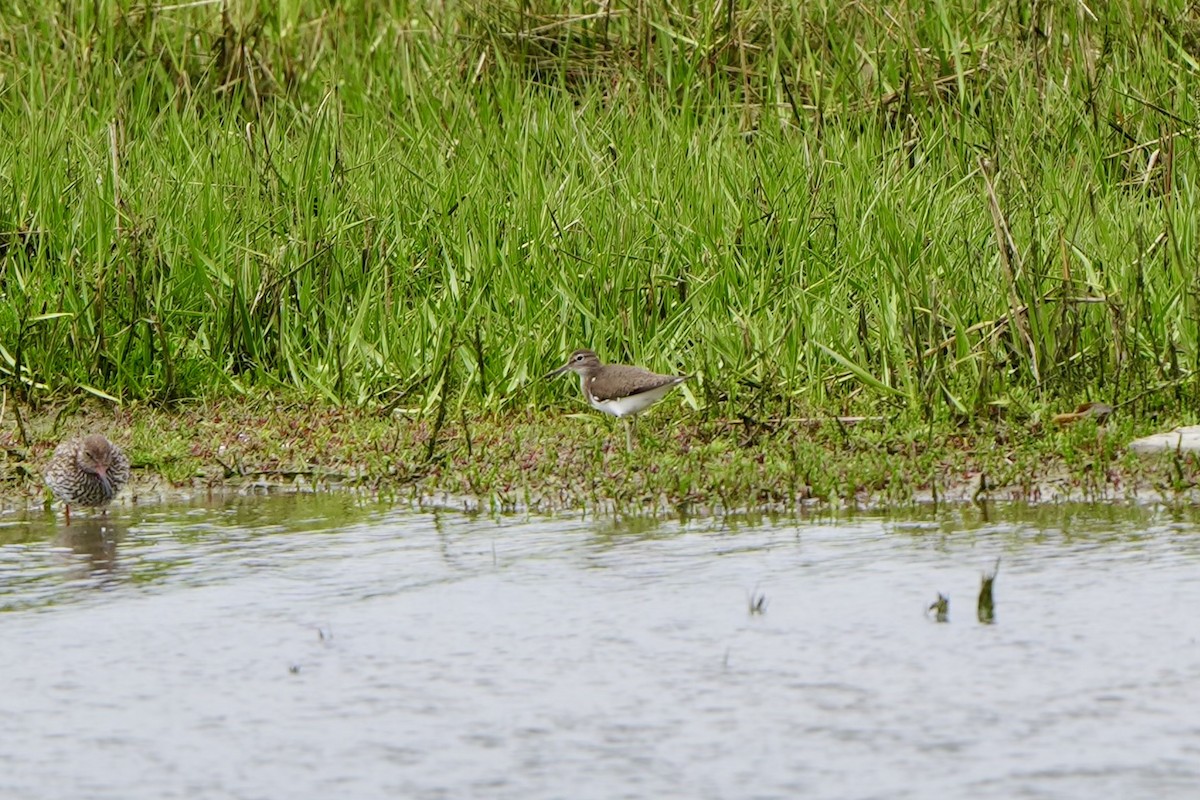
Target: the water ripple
(316, 647)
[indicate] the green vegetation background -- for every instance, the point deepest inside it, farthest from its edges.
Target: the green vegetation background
(945, 207)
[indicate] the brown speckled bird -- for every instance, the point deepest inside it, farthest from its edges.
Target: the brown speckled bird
(87, 471)
(618, 389)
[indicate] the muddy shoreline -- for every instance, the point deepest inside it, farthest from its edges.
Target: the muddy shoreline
(543, 462)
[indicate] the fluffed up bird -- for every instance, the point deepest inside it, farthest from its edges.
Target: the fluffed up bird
(87, 471)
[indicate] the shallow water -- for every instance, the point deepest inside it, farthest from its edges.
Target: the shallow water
(319, 647)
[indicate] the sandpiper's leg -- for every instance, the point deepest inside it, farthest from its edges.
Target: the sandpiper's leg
(628, 433)
(67, 512)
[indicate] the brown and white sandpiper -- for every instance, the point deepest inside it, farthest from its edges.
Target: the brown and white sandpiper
(87, 471)
(618, 389)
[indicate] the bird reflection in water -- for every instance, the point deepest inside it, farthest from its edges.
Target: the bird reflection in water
(95, 538)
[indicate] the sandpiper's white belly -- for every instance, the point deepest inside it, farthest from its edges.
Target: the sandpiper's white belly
(627, 406)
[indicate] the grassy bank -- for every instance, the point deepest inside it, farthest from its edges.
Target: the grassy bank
(533, 461)
(957, 216)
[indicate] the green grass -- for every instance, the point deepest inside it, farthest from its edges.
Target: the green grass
(546, 462)
(941, 209)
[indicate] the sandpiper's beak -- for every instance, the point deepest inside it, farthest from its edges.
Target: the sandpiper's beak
(557, 372)
(102, 474)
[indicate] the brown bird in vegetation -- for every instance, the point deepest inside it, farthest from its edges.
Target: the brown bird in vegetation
(618, 389)
(87, 471)
(1098, 411)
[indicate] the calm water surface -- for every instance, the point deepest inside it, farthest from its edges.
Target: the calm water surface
(320, 647)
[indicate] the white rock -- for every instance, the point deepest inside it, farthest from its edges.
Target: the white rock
(1186, 439)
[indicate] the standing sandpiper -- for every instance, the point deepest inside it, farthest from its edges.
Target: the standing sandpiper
(618, 389)
(87, 471)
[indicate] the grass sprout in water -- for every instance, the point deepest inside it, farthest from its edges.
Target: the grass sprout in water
(940, 608)
(987, 605)
(757, 603)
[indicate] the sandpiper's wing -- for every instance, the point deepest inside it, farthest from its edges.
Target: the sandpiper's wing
(619, 380)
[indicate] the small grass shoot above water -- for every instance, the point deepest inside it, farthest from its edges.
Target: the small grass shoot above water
(986, 607)
(940, 608)
(757, 602)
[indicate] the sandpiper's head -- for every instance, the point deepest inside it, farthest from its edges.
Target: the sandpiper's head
(96, 455)
(581, 361)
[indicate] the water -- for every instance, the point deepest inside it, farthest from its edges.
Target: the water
(322, 647)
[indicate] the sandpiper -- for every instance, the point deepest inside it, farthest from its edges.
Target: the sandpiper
(618, 389)
(87, 471)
